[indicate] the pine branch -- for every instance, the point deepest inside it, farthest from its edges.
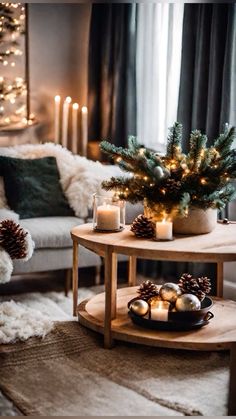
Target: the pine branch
(116, 183)
(224, 142)
(115, 152)
(133, 145)
(196, 152)
(174, 141)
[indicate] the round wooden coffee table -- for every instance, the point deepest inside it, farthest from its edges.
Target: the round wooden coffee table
(107, 312)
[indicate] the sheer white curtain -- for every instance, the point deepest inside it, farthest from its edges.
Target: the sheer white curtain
(159, 40)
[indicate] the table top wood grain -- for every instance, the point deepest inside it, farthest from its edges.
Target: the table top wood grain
(217, 246)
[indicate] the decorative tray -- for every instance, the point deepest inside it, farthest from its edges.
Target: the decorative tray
(187, 320)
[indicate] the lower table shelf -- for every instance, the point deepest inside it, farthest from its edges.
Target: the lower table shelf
(217, 335)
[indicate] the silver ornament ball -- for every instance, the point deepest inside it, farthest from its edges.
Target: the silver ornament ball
(170, 292)
(158, 172)
(187, 302)
(139, 307)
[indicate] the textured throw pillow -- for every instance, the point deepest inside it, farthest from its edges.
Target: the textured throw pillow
(33, 187)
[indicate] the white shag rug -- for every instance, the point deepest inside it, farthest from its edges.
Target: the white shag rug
(19, 322)
(33, 314)
(80, 177)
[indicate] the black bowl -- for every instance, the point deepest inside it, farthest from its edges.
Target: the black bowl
(191, 317)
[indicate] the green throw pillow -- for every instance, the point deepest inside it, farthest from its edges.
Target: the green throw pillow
(33, 188)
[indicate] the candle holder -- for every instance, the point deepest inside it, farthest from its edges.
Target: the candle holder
(108, 214)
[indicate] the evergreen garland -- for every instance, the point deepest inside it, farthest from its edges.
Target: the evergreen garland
(173, 182)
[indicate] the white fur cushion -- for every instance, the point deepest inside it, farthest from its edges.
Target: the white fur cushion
(7, 214)
(6, 266)
(80, 177)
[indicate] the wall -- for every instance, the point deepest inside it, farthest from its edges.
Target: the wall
(58, 49)
(58, 56)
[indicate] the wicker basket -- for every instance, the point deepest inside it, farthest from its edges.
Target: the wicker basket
(198, 221)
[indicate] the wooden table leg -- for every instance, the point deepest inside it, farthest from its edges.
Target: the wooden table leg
(75, 276)
(132, 271)
(110, 295)
(232, 383)
(220, 279)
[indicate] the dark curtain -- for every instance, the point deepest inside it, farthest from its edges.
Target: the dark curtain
(207, 69)
(112, 84)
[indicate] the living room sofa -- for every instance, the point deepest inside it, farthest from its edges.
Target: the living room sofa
(53, 244)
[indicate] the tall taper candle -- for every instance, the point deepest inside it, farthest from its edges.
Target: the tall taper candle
(75, 138)
(57, 102)
(65, 121)
(84, 126)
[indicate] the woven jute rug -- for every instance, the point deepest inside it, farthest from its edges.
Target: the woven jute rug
(70, 373)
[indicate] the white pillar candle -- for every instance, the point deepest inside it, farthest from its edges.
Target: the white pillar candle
(84, 127)
(160, 311)
(164, 230)
(65, 121)
(57, 105)
(108, 217)
(75, 137)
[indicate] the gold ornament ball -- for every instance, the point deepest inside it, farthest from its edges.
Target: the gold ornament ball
(170, 292)
(139, 307)
(187, 302)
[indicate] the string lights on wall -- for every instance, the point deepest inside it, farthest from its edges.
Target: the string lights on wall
(14, 83)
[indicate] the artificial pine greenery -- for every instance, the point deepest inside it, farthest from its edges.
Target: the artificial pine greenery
(8, 22)
(173, 182)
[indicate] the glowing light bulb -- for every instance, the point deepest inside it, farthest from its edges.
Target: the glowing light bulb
(68, 99)
(5, 62)
(141, 151)
(57, 99)
(75, 106)
(13, 64)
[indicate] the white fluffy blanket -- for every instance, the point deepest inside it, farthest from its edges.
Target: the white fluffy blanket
(80, 177)
(18, 322)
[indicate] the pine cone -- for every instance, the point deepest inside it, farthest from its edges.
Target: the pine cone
(142, 227)
(173, 186)
(12, 239)
(147, 290)
(197, 286)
